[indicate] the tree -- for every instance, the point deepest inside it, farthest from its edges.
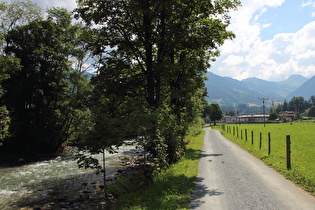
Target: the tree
(231, 113)
(273, 116)
(45, 98)
(310, 112)
(14, 14)
(8, 65)
(312, 100)
(285, 106)
(297, 104)
(215, 112)
(75, 38)
(282, 107)
(157, 51)
(11, 15)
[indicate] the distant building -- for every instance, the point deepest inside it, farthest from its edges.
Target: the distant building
(253, 118)
(246, 118)
(229, 119)
(287, 114)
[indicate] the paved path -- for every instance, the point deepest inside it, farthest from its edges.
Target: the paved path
(230, 178)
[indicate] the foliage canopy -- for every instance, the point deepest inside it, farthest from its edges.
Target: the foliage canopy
(152, 59)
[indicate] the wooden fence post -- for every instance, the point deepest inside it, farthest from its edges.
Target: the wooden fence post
(260, 139)
(269, 142)
(288, 144)
(252, 137)
(236, 132)
(241, 134)
(245, 134)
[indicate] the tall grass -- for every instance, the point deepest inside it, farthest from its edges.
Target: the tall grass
(171, 189)
(302, 148)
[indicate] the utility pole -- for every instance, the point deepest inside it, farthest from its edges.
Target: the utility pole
(263, 101)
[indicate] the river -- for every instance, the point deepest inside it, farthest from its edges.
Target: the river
(58, 179)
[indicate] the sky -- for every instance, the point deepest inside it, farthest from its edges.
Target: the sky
(274, 39)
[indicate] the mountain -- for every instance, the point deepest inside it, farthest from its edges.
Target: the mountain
(229, 92)
(276, 90)
(306, 90)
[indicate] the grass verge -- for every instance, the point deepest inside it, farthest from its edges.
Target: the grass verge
(172, 188)
(302, 148)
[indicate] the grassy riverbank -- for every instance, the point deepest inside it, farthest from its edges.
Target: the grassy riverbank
(302, 170)
(171, 189)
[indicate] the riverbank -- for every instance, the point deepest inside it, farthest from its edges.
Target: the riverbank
(58, 183)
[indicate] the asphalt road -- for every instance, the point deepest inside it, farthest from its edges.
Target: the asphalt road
(230, 178)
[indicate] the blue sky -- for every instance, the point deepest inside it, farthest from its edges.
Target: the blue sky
(290, 17)
(274, 39)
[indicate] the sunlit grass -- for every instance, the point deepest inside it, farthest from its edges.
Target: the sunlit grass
(172, 188)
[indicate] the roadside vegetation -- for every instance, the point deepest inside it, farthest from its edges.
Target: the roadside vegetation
(108, 72)
(173, 187)
(302, 148)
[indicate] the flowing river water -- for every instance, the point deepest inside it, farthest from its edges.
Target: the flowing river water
(55, 179)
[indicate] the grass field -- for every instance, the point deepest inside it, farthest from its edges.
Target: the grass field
(302, 137)
(172, 188)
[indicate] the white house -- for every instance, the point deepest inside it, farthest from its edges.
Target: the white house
(254, 118)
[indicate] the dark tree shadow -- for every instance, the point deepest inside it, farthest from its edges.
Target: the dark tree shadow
(192, 154)
(173, 191)
(210, 155)
(201, 191)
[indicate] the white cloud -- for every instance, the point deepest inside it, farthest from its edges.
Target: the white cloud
(276, 59)
(247, 33)
(308, 3)
(233, 60)
(302, 41)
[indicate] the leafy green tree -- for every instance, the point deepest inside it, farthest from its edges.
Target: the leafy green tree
(156, 53)
(11, 14)
(16, 13)
(8, 65)
(310, 112)
(215, 112)
(297, 104)
(273, 116)
(46, 98)
(206, 110)
(282, 107)
(75, 38)
(231, 113)
(285, 106)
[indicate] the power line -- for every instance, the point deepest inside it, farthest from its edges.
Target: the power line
(263, 101)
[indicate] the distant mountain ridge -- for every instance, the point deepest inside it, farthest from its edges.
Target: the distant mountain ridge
(307, 89)
(229, 92)
(275, 89)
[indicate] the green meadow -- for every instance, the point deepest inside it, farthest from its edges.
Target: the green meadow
(302, 137)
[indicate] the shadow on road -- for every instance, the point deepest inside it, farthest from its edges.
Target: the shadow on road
(210, 155)
(201, 191)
